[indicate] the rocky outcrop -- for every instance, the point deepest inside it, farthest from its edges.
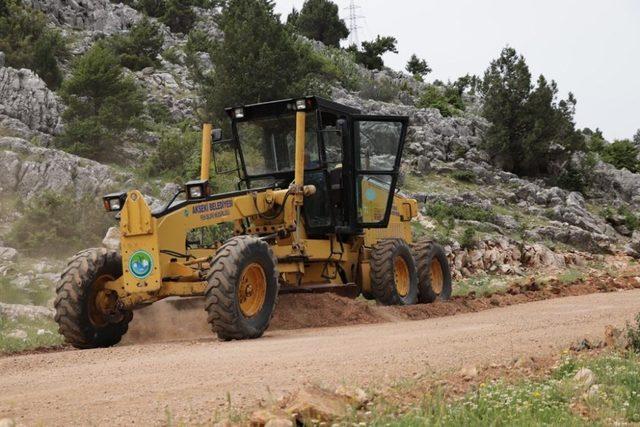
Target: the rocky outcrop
(505, 256)
(28, 170)
(27, 106)
(610, 182)
(93, 15)
(430, 136)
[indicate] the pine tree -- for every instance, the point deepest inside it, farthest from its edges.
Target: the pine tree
(319, 20)
(256, 61)
(527, 122)
(101, 104)
(140, 47)
(418, 67)
(371, 53)
(179, 16)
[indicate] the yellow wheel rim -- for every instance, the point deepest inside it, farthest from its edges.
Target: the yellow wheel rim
(99, 303)
(252, 291)
(437, 277)
(402, 278)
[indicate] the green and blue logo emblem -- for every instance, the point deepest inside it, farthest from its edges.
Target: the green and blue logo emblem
(140, 264)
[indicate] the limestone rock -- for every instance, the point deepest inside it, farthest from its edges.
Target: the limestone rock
(8, 254)
(584, 378)
(95, 15)
(614, 338)
(112, 239)
(317, 404)
(25, 97)
(30, 170)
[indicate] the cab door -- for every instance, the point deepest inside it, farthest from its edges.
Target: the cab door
(377, 152)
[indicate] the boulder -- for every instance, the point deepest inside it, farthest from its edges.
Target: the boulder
(25, 98)
(112, 239)
(313, 404)
(584, 378)
(8, 254)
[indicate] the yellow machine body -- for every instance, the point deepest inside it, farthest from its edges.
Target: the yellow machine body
(303, 262)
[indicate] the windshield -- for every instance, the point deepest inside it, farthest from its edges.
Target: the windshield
(268, 144)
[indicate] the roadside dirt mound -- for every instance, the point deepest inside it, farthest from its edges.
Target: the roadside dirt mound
(297, 311)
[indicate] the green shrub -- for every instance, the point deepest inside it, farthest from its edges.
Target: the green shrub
(630, 219)
(464, 175)
(140, 47)
(443, 212)
(179, 16)
(633, 334)
(622, 154)
(57, 224)
(177, 155)
(468, 239)
(28, 42)
(445, 99)
(380, 90)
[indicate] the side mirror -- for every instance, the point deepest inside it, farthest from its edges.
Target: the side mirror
(216, 135)
(341, 124)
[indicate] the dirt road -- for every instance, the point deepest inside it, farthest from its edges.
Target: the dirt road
(193, 379)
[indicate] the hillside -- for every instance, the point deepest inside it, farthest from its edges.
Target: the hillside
(492, 222)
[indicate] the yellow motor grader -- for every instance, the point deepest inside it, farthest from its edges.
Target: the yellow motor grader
(316, 209)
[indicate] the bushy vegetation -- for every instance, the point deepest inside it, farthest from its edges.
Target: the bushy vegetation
(54, 224)
(633, 334)
(447, 99)
(370, 52)
(319, 20)
(140, 47)
(443, 212)
(102, 103)
(258, 59)
(417, 67)
(177, 156)
(530, 126)
(40, 333)
(28, 42)
(178, 15)
(553, 400)
(622, 154)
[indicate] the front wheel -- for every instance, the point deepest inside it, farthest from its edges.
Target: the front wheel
(85, 311)
(243, 288)
(434, 272)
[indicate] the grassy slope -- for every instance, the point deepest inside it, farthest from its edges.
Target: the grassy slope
(553, 400)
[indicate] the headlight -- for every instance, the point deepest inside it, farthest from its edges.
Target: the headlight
(114, 202)
(238, 113)
(197, 189)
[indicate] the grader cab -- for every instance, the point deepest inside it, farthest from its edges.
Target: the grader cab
(315, 209)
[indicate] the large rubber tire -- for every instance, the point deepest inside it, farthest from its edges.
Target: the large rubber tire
(384, 273)
(434, 272)
(222, 297)
(73, 292)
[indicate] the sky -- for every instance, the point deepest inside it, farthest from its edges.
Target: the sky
(589, 47)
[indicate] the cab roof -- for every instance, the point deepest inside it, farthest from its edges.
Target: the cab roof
(288, 105)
